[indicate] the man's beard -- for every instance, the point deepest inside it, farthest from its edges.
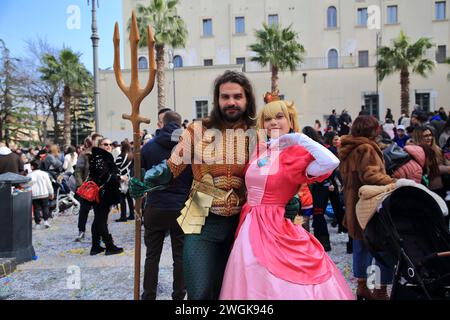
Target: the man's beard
(232, 117)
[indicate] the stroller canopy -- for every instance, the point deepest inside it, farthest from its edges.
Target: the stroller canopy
(408, 196)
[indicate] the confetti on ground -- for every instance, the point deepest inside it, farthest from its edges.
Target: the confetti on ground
(63, 261)
(77, 251)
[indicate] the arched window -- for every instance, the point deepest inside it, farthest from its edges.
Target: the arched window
(331, 17)
(178, 62)
(143, 63)
(332, 59)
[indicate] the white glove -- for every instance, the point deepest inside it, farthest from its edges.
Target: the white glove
(324, 160)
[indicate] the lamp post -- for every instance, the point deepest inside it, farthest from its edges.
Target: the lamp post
(95, 39)
(304, 77)
(172, 66)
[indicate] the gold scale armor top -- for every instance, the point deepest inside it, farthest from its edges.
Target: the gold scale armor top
(218, 159)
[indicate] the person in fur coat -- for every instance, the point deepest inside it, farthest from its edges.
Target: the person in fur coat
(362, 164)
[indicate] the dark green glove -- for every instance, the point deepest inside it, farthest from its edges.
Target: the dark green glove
(159, 174)
(157, 178)
(292, 208)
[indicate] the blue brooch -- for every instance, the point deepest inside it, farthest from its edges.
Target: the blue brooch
(262, 162)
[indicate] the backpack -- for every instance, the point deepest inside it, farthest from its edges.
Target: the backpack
(394, 157)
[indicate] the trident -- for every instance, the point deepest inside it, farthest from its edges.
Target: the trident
(135, 94)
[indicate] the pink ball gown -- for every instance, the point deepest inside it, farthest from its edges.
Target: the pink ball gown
(273, 259)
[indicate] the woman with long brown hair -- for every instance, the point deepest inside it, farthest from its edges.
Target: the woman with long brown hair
(436, 165)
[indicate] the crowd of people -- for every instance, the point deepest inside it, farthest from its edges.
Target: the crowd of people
(236, 231)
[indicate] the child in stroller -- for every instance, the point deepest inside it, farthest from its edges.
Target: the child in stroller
(65, 187)
(409, 226)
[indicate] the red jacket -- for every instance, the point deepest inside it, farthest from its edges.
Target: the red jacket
(305, 197)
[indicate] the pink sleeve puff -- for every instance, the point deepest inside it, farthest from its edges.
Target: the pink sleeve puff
(294, 160)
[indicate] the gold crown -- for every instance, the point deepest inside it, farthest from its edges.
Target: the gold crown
(272, 96)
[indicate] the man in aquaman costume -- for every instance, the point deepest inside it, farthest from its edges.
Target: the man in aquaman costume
(217, 148)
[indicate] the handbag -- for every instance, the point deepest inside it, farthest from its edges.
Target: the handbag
(124, 187)
(89, 191)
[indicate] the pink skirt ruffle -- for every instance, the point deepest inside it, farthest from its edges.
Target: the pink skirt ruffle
(246, 279)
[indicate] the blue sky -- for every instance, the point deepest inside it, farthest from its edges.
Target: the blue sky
(29, 19)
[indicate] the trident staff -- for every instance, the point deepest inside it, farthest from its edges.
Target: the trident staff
(135, 94)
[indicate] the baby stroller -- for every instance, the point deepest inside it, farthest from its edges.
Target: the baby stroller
(65, 195)
(409, 226)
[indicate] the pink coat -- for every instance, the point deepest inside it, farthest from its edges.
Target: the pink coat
(413, 169)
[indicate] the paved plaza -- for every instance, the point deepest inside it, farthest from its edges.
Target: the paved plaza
(102, 277)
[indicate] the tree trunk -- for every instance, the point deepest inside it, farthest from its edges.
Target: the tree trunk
(56, 130)
(404, 83)
(161, 76)
(274, 78)
(7, 136)
(66, 136)
(42, 134)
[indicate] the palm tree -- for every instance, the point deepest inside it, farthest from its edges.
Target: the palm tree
(68, 70)
(278, 47)
(405, 58)
(169, 29)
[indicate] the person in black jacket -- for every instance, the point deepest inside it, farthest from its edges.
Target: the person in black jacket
(81, 173)
(162, 210)
(319, 191)
(333, 121)
(104, 172)
(344, 123)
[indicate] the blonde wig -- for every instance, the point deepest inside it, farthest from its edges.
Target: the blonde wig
(271, 110)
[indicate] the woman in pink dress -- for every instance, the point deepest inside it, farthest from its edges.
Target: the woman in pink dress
(272, 258)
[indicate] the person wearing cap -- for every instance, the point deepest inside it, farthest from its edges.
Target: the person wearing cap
(401, 137)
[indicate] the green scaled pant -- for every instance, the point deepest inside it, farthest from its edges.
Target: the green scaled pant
(205, 257)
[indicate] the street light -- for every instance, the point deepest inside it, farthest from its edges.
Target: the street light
(95, 39)
(172, 66)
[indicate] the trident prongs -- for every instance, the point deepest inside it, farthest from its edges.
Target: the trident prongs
(135, 94)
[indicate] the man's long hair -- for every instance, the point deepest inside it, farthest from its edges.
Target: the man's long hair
(215, 119)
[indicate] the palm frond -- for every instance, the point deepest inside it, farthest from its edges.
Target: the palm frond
(423, 67)
(169, 28)
(402, 54)
(278, 47)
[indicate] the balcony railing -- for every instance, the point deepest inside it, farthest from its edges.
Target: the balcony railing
(341, 62)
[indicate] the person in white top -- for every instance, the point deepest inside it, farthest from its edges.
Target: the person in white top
(70, 159)
(388, 127)
(116, 150)
(42, 191)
